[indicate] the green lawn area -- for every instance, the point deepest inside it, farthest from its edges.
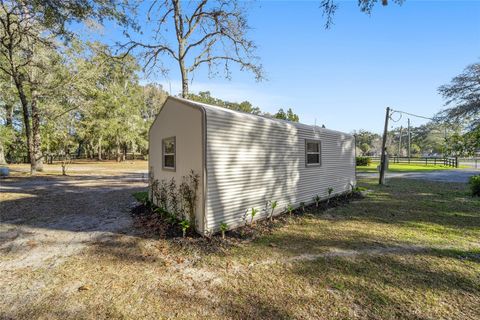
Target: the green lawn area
(401, 167)
(410, 250)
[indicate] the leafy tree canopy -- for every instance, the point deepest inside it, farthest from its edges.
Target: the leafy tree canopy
(245, 106)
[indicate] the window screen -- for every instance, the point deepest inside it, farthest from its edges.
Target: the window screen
(312, 153)
(168, 153)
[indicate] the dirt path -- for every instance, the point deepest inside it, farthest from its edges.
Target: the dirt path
(45, 219)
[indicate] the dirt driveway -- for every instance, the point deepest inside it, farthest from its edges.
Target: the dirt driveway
(46, 218)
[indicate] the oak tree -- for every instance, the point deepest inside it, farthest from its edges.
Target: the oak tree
(207, 32)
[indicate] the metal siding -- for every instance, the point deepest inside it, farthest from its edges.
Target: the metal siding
(251, 160)
(184, 122)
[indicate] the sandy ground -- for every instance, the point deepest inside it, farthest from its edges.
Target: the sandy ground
(46, 218)
(68, 251)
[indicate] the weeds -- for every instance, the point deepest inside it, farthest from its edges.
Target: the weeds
(185, 224)
(163, 194)
(317, 200)
(329, 191)
(273, 205)
(223, 229)
(173, 196)
(302, 206)
(188, 192)
(253, 212)
(289, 209)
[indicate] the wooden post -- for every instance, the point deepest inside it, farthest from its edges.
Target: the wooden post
(381, 179)
(408, 136)
(400, 143)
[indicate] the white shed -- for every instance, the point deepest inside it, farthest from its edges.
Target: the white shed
(244, 160)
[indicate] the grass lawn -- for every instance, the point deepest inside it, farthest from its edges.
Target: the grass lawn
(404, 167)
(409, 250)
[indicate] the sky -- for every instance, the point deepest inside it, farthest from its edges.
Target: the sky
(346, 76)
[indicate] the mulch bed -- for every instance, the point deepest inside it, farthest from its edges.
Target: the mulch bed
(155, 225)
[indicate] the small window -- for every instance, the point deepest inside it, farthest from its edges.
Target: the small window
(168, 153)
(312, 153)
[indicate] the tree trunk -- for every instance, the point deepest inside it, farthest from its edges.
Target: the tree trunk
(118, 151)
(2, 154)
(8, 115)
(9, 124)
(124, 155)
(184, 79)
(100, 149)
(36, 137)
(26, 121)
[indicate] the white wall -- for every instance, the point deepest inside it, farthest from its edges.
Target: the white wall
(185, 123)
(251, 160)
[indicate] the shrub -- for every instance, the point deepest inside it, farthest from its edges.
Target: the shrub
(188, 192)
(363, 161)
(141, 196)
(474, 183)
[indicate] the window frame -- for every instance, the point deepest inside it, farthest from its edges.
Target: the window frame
(169, 154)
(319, 143)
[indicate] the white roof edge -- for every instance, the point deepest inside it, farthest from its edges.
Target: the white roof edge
(226, 110)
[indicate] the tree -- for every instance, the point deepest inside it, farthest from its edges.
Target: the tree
(368, 142)
(30, 27)
(115, 113)
(206, 97)
(211, 33)
(329, 8)
(462, 96)
(289, 115)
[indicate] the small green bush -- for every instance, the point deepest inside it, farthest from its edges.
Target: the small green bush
(363, 161)
(474, 183)
(141, 196)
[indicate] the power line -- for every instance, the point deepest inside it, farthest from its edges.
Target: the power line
(411, 114)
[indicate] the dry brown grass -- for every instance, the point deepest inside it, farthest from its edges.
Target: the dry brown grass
(84, 167)
(410, 250)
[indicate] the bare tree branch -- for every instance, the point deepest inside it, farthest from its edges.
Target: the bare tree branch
(206, 32)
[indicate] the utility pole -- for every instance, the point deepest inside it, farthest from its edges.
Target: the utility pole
(409, 141)
(383, 162)
(400, 142)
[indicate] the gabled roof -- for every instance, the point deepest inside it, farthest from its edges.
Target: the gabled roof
(229, 112)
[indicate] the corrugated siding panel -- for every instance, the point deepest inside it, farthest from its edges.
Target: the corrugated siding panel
(252, 160)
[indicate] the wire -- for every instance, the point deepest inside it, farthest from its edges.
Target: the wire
(393, 112)
(411, 114)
